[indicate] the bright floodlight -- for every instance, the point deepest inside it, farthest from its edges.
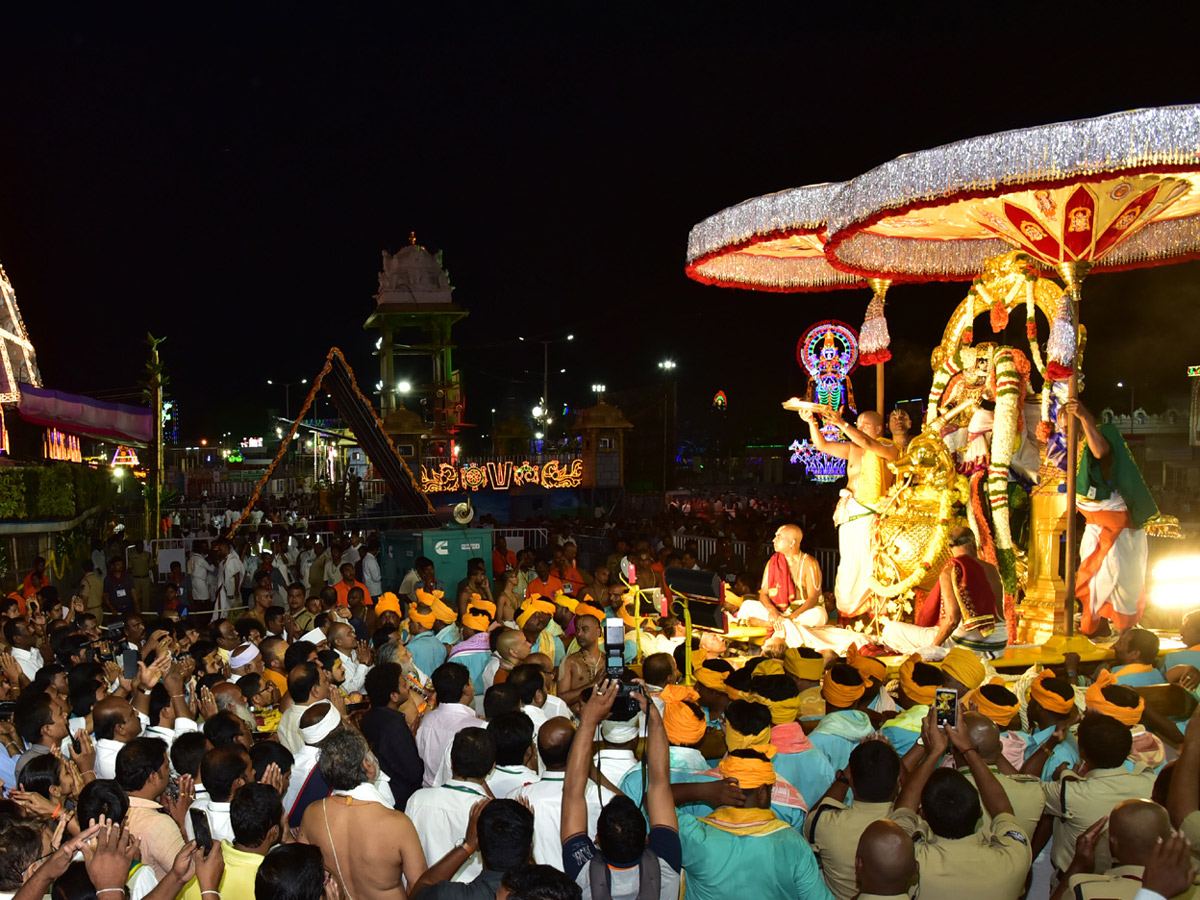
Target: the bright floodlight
(561, 371)
(1120, 384)
(538, 436)
(537, 412)
(1173, 582)
(404, 387)
(570, 337)
(598, 388)
(667, 364)
(269, 381)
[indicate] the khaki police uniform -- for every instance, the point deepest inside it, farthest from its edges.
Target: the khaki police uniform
(833, 829)
(1078, 802)
(1118, 883)
(1024, 794)
(139, 570)
(990, 864)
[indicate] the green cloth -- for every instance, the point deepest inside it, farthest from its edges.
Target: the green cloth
(720, 865)
(1125, 477)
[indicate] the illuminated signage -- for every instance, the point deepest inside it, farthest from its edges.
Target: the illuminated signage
(59, 446)
(124, 457)
(500, 476)
(251, 443)
(820, 466)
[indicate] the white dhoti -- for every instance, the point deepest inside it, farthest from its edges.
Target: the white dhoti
(854, 522)
(788, 629)
(906, 638)
(831, 637)
(1112, 568)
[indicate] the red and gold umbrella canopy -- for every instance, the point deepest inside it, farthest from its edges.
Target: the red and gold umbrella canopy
(1110, 193)
(775, 242)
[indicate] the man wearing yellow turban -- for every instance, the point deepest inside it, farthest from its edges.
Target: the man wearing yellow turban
(996, 702)
(962, 670)
(532, 620)
(842, 687)
(710, 685)
(422, 643)
(747, 851)
(1051, 711)
(805, 666)
(918, 682)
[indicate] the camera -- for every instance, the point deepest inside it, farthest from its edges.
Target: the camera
(624, 707)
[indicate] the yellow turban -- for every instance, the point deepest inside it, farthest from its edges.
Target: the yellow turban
(1095, 701)
(868, 666)
(964, 666)
(533, 605)
(769, 667)
(1046, 698)
(684, 727)
(783, 712)
(1001, 715)
(388, 602)
(804, 668)
(425, 620)
(627, 617)
(735, 740)
(566, 601)
(712, 679)
(476, 621)
(749, 773)
(918, 693)
(843, 695)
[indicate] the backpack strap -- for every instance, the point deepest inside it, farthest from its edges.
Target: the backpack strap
(598, 878)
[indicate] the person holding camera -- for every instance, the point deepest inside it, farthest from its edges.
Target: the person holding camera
(625, 861)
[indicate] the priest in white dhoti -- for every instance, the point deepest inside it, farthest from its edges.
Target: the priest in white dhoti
(790, 592)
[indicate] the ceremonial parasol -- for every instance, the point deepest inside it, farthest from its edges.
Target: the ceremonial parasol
(1104, 194)
(776, 242)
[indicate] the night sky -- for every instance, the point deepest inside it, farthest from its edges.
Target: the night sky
(228, 177)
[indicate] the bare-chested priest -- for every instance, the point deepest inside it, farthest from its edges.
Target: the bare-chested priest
(866, 453)
(790, 593)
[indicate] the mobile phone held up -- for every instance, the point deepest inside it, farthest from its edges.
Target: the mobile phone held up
(945, 705)
(200, 827)
(625, 707)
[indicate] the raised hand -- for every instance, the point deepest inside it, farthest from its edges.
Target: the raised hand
(1169, 871)
(1085, 847)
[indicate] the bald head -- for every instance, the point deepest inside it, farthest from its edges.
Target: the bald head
(984, 734)
(512, 645)
(554, 742)
(788, 538)
(1134, 828)
(885, 862)
(870, 423)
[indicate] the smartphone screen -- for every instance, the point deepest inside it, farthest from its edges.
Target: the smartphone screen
(945, 704)
(201, 830)
(614, 647)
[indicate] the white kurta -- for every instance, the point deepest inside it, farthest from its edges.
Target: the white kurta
(440, 816)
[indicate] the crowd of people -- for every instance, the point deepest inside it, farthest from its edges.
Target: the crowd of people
(340, 737)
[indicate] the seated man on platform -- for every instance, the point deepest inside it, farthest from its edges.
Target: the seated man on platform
(790, 593)
(964, 607)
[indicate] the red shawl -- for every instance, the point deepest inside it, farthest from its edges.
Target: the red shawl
(974, 596)
(780, 587)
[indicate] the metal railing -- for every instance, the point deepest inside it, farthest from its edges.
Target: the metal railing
(523, 538)
(707, 546)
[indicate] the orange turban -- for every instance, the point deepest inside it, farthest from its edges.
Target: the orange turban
(586, 609)
(916, 692)
(803, 667)
(388, 602)
(677, 693)
(425, 620)
(476, 621)
(1095, 701)
(477, 602)
(1001, 715)
(566, 601)
(627, 616)
(783, 712)
(1046, 698)
(772, 667)
(712, 679)
(532, 605)
(964, 666)
(684, 727)
(843, 695)
(749, 773)
(868, 666)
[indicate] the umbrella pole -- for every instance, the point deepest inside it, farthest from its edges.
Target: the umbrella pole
(879, 388)
(1072, 274)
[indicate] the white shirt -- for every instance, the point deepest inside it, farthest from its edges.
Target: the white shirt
(507, 780)
(437, 732)
(306, 560)
(356, 672)
(409, 583)
(350, 555)
(218, 820)
(199, 569)
(303, 762)
(168, 735)
(615, 764)
(372, 577)
(440, 816)
(106, 757)
(545, 796)
(554, 708)
(289, 727)
(30, 661)
(230, 569)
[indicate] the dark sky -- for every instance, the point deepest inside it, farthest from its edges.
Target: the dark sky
(227, 178)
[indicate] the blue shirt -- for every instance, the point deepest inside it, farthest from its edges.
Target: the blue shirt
(1141, 679)
(1182, 658)
(810, 771)
(427, 651)
(1065, 752)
